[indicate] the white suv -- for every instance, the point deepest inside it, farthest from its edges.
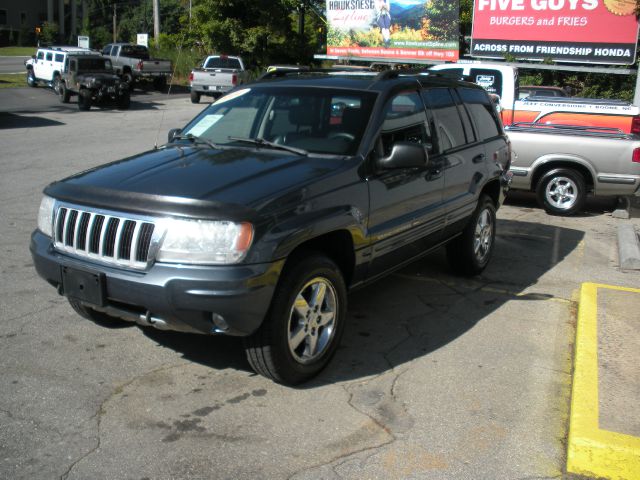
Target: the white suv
(47, 64)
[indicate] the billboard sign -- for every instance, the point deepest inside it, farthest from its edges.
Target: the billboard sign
(393, 29)
(585, 31)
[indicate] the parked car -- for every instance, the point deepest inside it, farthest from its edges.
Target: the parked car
(258, 216)
(541, 91)
(45, 67)
(217, 75)
(133, 63)
(563, 164)
(92, 79)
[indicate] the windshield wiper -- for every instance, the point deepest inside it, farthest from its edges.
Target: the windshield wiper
(196, 140)
(261, 142)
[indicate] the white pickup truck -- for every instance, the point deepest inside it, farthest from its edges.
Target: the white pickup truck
(217, 75)
(502, 80)
(564, 163)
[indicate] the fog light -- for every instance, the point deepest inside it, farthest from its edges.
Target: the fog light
(219, 322)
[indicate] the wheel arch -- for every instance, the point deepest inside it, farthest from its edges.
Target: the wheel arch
(492, 190)
(547, 165)
(338, 245)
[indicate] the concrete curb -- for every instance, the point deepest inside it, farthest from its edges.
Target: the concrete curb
(628, 248)
(590, 450)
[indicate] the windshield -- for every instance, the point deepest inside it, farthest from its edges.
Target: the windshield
(317, 120)
(94, 65)
(223, 62)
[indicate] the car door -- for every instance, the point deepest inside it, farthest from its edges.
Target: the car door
(463, 156)
(39, 68)
(406, 215)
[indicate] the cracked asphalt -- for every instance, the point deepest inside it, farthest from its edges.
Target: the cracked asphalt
(437, 377)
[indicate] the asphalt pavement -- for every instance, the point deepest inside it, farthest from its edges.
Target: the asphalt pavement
(437, 377)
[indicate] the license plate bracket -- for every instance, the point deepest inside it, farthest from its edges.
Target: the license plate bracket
(82, 285)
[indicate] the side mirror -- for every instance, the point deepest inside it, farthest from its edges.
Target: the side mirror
(33, 56)
(173, 133)
(405, 155)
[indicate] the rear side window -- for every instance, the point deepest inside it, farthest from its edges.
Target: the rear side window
(481, 109)
(448, 123)
(59, 57)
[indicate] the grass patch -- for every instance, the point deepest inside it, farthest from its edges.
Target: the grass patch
(13, 80)
(17, 51)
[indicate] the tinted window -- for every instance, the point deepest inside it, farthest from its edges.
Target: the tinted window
(106, 50)
(59, 57)
(404, 120)
(450, 129)
(478, 103)
(223, 62)
(49, 56)
(134, 51)
(488, 78)
(40, 55)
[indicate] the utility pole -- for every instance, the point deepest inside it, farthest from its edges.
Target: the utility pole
(156, 20)
(115, 39)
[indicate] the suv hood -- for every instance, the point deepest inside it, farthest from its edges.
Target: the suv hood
(193, 181)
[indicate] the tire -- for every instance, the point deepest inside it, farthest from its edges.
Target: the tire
(99, 318)
(127, 77)
(295, 343)
(55, 84)
(31, 79)
(195, 97)
(65, 95)
(470, 253)
(124, 101)
(84, 100)
(160, 83)
(561, 191)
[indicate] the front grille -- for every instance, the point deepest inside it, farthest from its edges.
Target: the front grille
(106, 237)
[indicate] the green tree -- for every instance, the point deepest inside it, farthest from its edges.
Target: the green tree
(443, 19)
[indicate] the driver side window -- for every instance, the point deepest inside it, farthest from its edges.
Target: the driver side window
(405, 120)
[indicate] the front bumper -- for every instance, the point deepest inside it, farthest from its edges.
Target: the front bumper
(231, 300)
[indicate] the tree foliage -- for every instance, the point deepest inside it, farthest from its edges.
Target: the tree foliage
(442, 15)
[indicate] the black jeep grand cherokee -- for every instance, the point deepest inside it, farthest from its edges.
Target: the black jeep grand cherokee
(258, 216)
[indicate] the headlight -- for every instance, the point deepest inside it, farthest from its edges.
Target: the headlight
(45, 216)
(204, 242)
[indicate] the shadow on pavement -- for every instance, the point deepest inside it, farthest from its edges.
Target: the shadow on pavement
(416, 310)
(12, 120)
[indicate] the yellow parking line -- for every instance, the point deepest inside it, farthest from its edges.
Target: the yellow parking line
(592, 451)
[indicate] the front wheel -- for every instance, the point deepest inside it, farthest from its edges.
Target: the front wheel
(99, 318)
(561, 191)
(303, 327)
(31, 78)
(84, 100)
(470, 253)
(124, 101)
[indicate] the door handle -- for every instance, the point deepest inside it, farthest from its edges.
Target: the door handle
(478, 158)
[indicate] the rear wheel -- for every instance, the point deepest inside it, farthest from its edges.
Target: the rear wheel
(84, 100)
(470, 253)
(561, 191)
(56, 83)
(65, 95)
(160, 83)
(303, 327)
(195, 97)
